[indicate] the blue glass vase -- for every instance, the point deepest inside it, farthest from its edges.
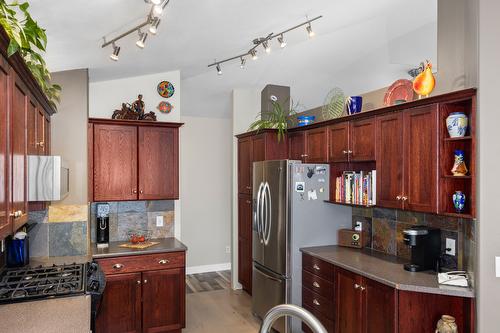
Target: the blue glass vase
(459, 201)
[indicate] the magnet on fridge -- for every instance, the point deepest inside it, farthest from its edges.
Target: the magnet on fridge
(321, 180)
(300, 187)
(321, 190)
(312, 195)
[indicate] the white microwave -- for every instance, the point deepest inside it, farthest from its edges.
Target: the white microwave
(48, 178)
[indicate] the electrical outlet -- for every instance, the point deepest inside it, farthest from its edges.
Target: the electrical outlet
(159, 221)
(497, 265)
(450, 244)
(228, 249)
(358, 226)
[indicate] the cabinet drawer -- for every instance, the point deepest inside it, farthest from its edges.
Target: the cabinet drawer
(141, 263)
(328, 323)
(317, 267)
(318, 285)
(318, 303)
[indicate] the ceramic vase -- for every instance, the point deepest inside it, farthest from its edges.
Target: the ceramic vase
(354, 104)
(446, 325)
(459, 201)
(457, 124)
(459, 167)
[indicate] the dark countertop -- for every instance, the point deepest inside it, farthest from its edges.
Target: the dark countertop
(49, 261)
(385, 269)
(170, 244)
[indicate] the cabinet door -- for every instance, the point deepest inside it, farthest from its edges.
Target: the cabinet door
(349, 309)
(32, 129)
(245, 165)
(420, 159)
(40, 131)
(163, 295)
(390, 160)
(317, 145)
(245, 241)
(46, 136)
(362, 140)
(120, 309)
(5, 221)
(158, 163)
(19, 150)
(115, 162)
(296, 146)
(338, 137)
(379, 304)
(258, 148)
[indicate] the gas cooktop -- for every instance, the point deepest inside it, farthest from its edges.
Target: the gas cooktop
(28, 283)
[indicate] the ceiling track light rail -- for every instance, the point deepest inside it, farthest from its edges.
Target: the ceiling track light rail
(264, 41)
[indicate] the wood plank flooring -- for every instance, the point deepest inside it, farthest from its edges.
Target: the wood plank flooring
(196, 283)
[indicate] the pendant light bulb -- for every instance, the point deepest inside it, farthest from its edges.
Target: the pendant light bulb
(310, 31)
(155, 2)
(266, 46)
(219, 70)
(242, 64)
(282, 42)
(116, 50)
(153, 28)
(253, 53)
(157, 9)
(142, 39)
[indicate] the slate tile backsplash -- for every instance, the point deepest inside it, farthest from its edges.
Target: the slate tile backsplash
(133, 216)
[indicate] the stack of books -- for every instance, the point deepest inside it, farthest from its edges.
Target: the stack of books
(358, 188)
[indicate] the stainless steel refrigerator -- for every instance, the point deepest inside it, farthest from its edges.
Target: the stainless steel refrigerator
(289, 212)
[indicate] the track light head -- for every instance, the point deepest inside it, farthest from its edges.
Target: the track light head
(142, 39)
(282, 42)
(253, 53)
(243, 62)
(219, 70)
(116, 50)
(153, 27)
(155, 2)
(310, 31)
(157, 9)
(266, 46)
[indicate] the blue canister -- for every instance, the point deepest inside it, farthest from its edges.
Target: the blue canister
(18, 251)
(354, 104)
(305, 120)
(459, 201)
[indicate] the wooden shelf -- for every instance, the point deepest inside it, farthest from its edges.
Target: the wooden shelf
(348, 204)
(457, 177)
(463, 138)
(460, 215)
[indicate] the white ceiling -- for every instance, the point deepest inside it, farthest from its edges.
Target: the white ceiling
(360, 45)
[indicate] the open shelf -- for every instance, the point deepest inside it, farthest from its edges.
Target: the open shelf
(458, 177)
(348, 204)
(463, 138)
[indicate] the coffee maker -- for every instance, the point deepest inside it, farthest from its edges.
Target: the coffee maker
(102, 227)
(425, 247)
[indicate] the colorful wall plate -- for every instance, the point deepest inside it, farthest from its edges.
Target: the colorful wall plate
(165, 107)
(165, 89)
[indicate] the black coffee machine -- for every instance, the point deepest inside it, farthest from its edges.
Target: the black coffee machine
(102, 227)
(425, 247)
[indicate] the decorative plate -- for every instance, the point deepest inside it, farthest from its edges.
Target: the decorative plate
(165, 89)
(333, 106)
(399, 92)
(165, 107)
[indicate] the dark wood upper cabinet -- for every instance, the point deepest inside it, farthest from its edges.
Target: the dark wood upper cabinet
(32, 129)
(362, 140)
(316, 141)
(245, 165)
(258, 149)
(348, 306)
(421, 159)
(163, 298)
(338, 137)
(245, 241)
(390, 160)
(115, 162)
(158, 163)
(379, 307)
(120, 308)
(297, 146)
(5, 220)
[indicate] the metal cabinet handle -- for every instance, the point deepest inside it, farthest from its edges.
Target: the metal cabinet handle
(349, 151)
(141, 191)
(356, 286)
(163, 261)
(315, 302)
(248, 202)
(134, 191)
(145, 281)
(398, 197)
(344, 151)
(316, 284)
(138, 281)
(304, 155)
(316, 267)
(362, 288)
(41, 144)
(248, 187)
(118, 266)
(404, 198)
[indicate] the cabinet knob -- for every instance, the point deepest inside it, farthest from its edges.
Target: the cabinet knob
(349, 151)
(362, 288)
(163, 261)
(145, 281)
(134, 191)
(316, 284)
(249, 202)
(398, 197)
(315, 302)
(356, 286)
(41, 144)
(141, 191)
(304, 155)
(118, 266)
(138, 281)
(316, 267)
(248, 187)
(404, 198)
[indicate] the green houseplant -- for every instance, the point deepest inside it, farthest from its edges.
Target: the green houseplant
(29, 39)
(277, 119)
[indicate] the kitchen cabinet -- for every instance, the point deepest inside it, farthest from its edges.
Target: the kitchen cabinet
(133, 160)
(144, 293)
(316, 143)
(379, 307)
(349, 308)
(245, 241)
(352, 141)
(297, 146)
(5, 220)
(407, 160)
(245, 160)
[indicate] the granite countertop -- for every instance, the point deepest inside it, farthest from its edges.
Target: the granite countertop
(385, 269)
(170, 244)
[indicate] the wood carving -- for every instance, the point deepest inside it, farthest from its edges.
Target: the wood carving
(134, 111)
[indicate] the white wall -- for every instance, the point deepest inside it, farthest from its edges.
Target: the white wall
(107, 96)
(205, 147)
(245, 107)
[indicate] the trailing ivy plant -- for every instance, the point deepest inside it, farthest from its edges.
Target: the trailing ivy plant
(29, 39)
(277, 119)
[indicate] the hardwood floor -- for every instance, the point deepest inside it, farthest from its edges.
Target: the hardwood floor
(196, 283)
(221, 311)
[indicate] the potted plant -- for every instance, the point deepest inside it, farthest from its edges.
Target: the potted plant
(276, 119)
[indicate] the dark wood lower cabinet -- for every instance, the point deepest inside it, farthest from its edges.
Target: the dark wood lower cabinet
(379, 307)
(142, 299)
(349, 308)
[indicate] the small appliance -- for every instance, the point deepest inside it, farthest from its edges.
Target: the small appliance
(352, 238)
(425, 248)
(102, 227)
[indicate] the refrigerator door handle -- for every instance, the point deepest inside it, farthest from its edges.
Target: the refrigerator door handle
(258, 214)
(267, 228)
(267, 275)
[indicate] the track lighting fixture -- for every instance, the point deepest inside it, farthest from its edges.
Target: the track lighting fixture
(253, 53)
(281, 40)
(157, 10)
(155, 2)
(116, 50)
(153, 28)
(142, 39)
(265, 42)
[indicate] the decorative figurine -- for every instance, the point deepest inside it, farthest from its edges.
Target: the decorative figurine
(424, 82)
(446, 325)
(459, 167)
(457, 123)
(134, 111)
(459, 201)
